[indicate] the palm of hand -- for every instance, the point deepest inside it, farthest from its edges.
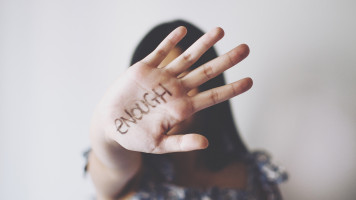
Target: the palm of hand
(155, 99)
(159, 103)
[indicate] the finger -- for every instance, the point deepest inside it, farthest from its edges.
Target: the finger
(220, 94)
(215, 67)
(156, 57)
(182, 143)
(194, 52)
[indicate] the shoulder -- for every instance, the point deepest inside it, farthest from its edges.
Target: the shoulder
(264, 175)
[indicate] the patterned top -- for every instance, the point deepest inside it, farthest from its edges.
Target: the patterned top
(263, 178)
(262, 182)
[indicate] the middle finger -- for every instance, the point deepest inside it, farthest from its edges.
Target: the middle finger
(194, 52)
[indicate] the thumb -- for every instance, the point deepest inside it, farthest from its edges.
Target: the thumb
(181, 143)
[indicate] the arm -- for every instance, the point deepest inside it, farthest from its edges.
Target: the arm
(146, 102)
(111, 166)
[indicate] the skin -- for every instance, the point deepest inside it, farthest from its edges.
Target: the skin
(115, 159)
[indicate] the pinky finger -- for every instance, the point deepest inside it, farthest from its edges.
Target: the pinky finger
(181, 143)
(217, 95)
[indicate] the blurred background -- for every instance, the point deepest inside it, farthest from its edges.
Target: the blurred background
(58, 57)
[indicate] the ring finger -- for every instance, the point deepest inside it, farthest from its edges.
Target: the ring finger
(215, 67)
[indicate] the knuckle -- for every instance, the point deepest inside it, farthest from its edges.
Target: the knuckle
(214, 96)
(208, 71)
(161, 53)
(212, 37)
(171, 41)
(233, 90)
(172, 38)
(230, 59)
(188, 58)
(207, 42)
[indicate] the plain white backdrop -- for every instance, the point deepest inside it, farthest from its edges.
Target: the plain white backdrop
(58, 57)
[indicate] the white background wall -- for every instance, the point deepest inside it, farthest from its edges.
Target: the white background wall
(58, 57)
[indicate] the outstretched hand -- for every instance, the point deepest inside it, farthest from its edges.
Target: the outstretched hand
(146, 101)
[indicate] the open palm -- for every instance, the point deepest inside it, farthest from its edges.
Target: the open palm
(146, 101)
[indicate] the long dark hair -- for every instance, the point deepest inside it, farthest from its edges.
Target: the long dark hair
(225, 145)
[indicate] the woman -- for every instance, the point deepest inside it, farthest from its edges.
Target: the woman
(157, 135)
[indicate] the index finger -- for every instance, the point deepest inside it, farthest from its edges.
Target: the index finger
(162, 50)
